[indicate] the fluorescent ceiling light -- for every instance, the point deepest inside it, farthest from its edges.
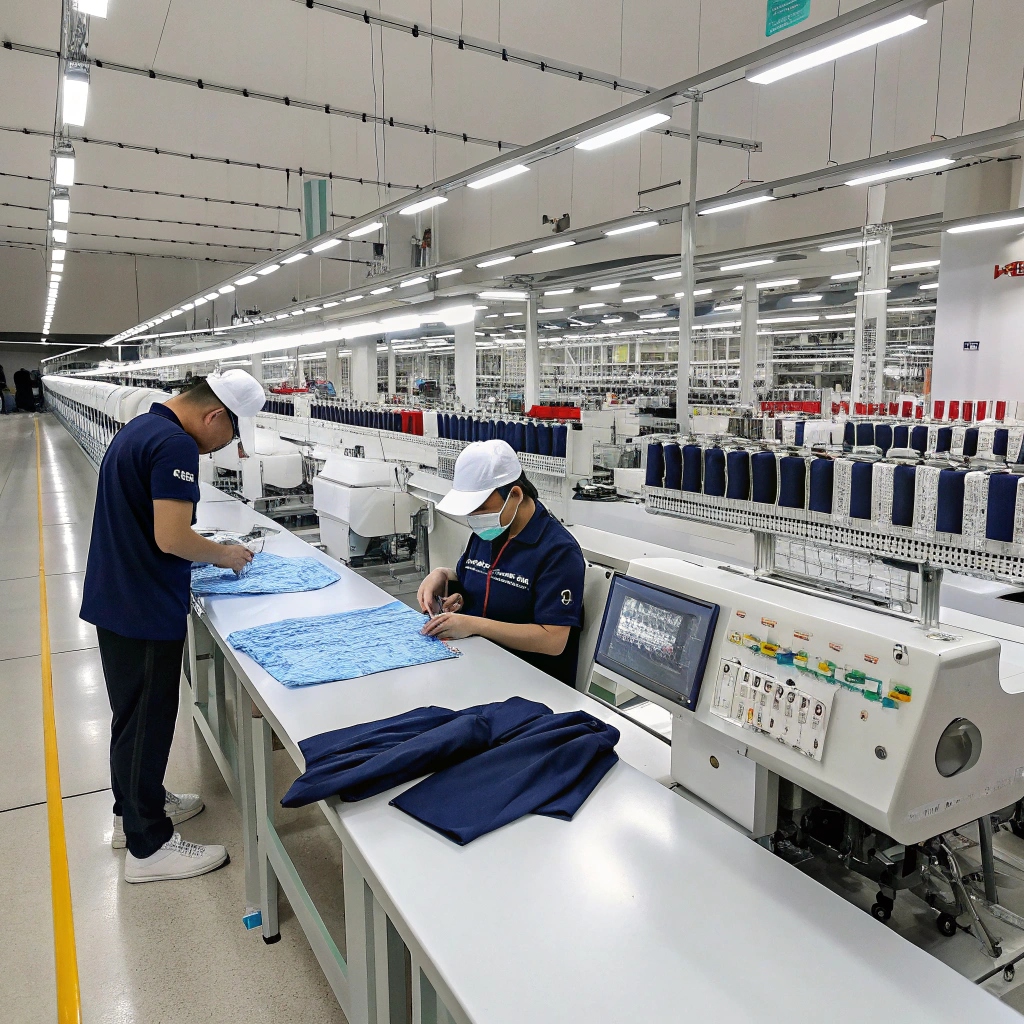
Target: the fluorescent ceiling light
(606, 287)
(366, 229)
(295, 259)
(632, 227)
(790, 319)
(493, 179)
(731, 308)
(560, 291)
(914, 266)
(248, 279)
(640, 298)
(623, 131)
(552, 309)
(849, 276)
(494, 262)
(496, 296)
(667, 277)
(297, 312)
(281, 316)
(380, 291)
(211, 296)
(412, 281)
(902, 171)
(785, 282)
(263, 271)
(747, 264)
(593, 305)
(738, 288)
(312, 309)
(329, 244)
(328, 305)
(653, 316)
(513, 314)
(807, 298)
(60, 235)
(911, 309)
(929, 287)
(842, 246)
(355, 298)
(76, 94)
(556, 245)
(874, 291)
(991, 225)
(57, 255)
(187, 305)
(817, 56)
(449, 273)
(735, 204)
(226, 289)
(97, 8)
(61, 209)
(423, 204)
(64, 167)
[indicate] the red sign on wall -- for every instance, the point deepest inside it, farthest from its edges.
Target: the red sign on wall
(1010, 270)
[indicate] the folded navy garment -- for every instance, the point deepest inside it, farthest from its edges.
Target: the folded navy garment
(549, 767)
(363, 760)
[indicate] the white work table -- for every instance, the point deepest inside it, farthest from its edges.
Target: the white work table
(644, 908)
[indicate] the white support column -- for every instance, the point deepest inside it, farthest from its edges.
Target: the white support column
(332, 366)
(688, 246)
(465, 364)
(748, 342)
(531, 393)
(874, 275)
(257, 366)
(392, 370)
(877, 279)
(364, 370)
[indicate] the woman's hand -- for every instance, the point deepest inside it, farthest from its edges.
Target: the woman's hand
(450, 626)
(432, 589)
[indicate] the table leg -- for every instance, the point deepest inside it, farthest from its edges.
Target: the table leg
(216, 710)
(263, 766)
(247, 800)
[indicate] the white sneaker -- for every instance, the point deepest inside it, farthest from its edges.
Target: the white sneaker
(175, 859)
(178, 807)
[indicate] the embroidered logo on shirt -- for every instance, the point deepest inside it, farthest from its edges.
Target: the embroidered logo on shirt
(184, 474)
(566, 597)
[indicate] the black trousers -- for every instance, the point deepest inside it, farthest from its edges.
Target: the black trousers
(142, 679)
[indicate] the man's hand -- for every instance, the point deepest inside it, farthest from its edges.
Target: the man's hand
(432, 589)
(235, 557)
(173, 533)
(450, 626)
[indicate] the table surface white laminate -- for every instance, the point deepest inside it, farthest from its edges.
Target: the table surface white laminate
(643, 908)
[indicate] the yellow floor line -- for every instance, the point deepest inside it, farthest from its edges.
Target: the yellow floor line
(69, 1000)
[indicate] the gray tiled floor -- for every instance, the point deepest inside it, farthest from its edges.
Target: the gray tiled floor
(160, 952)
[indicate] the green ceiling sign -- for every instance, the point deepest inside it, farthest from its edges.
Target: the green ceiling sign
(783, 14)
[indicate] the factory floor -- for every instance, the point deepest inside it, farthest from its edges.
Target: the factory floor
(148, 953)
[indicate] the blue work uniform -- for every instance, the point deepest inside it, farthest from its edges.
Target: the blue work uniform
(132, 588)
(535, 577)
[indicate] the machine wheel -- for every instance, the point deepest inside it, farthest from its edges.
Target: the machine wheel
(947, 925)
(881, 911)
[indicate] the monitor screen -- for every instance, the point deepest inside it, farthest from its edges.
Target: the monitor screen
(657, 638)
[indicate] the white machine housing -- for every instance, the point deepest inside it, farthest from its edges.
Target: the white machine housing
(270, 460)
(873, 756)
(357, 500)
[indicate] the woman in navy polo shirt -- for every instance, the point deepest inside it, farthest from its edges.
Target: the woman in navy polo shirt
(520, 580)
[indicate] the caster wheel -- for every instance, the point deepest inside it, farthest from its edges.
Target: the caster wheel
(881, 912)
(1009, 971)
(947, 925)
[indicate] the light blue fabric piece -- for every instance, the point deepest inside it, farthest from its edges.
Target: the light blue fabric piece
(347, 645)
(265, 574)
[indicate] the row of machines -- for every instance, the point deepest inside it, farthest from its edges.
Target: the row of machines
(991, 440)
(973, 503)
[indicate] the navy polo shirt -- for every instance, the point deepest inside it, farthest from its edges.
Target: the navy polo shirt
(132, 587)
(538, 578)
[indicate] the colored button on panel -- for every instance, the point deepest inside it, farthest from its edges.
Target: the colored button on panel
(896, 694)
(887, 702)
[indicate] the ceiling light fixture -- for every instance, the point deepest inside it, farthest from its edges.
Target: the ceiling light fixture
(502, 175)
(64, 166)
(412, 281)
(494, 262)
(929, 287)
(61, 206)
(860, 244)
(76, 93)
(366, 229)
(902, 171)
(248, 279)
(201, 301)
(60, 235)
(449, 273)
(555, 245)
(330, 243)
(95, 8)
(380, 291)
(593, 305)
(747, 264)
(849, 276)
(551, 309)
(354, 298)
(496, 296)
(295, 259)
(874, 291)
(786, 282)
(667, 277)
(264, 271)
(840, 316)
(911, 309)
(560, 291)
(989, 225)
(623, 131)
(423, 204)
(643, 226)
(226, 289)
(922, 265)
(211, 296)
(736, 204)
(57, 255)
(606, 287)
(807, 298)
(815, 57)
(640, 298)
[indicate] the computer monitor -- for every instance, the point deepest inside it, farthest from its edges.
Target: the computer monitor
(656, 638)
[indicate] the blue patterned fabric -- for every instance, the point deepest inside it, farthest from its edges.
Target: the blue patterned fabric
(267, 574)
(347, 645)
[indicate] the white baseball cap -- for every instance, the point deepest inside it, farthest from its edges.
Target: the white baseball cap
(481, 469)
(241, 392)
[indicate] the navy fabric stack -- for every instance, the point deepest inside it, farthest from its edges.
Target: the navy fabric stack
(280, 406)
(531, 437)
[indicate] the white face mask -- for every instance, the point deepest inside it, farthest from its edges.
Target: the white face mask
(487, 525)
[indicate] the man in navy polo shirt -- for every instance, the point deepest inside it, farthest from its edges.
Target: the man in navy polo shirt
(136, 593)
(520, 580)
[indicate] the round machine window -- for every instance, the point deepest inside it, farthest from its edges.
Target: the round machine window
(958, 749)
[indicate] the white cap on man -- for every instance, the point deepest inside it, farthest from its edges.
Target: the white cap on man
(481, 469)
(240, 392)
